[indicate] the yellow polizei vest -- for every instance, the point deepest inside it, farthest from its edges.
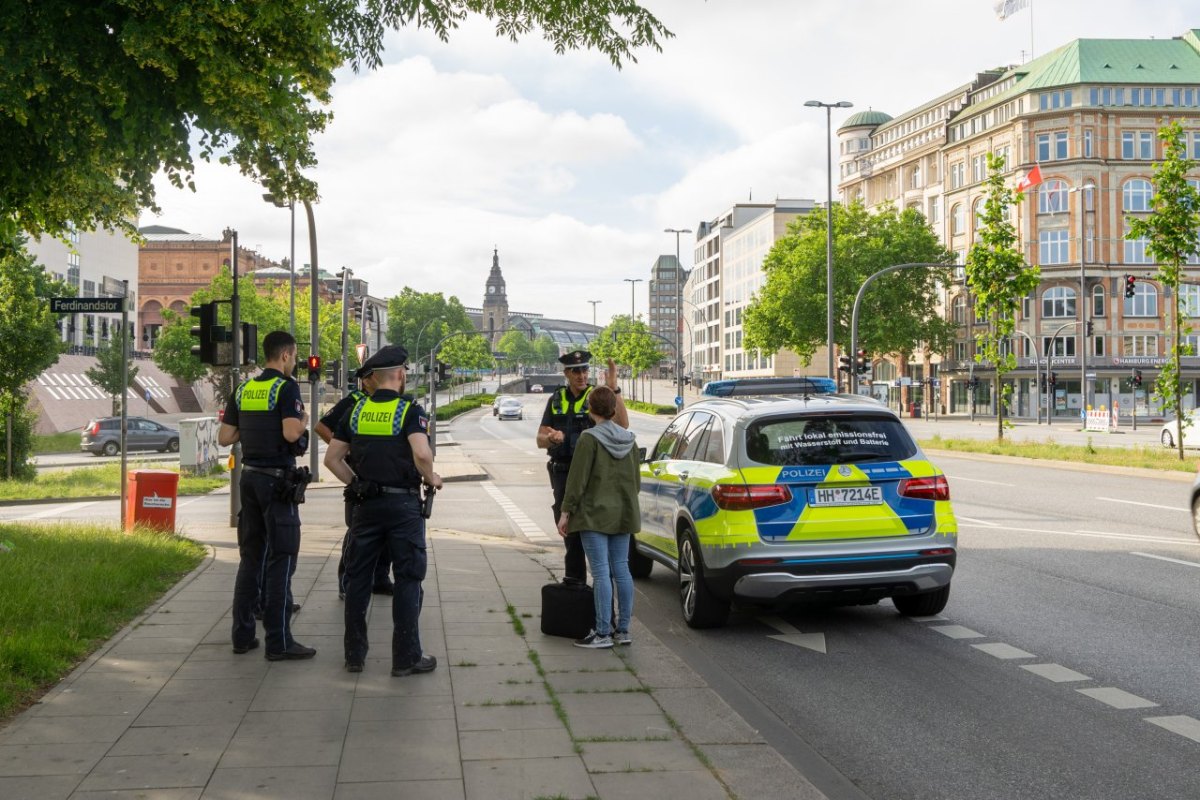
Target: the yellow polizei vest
(378, 419)
(560, 405)
(259, 394)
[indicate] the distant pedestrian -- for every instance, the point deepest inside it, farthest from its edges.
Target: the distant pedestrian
(600, 503)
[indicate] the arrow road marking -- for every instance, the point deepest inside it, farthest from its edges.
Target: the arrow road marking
(790, 635)
(1146, 505)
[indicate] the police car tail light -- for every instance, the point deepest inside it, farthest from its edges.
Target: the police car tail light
(743, 497)
(934, 488)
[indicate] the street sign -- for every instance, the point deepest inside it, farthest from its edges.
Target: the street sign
(87, 305)
(678, 401)
(361, 349)
(113, 287)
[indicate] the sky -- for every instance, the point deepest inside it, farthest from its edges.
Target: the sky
(572, 168)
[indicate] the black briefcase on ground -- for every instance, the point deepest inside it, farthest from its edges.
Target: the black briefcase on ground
(567, 610)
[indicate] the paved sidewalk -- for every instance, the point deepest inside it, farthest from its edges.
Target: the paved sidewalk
(166, 711)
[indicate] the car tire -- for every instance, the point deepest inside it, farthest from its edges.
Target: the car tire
(1167, 439)
(110, 449)
(922, 605)
(173, 446)
(699, 606)
(639, 565)
(1196, 514)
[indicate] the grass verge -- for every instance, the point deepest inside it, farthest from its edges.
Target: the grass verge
(649, 408)
(65, 589)
(101, 481)
(464, 404)
(45, 444)
(1145, 457)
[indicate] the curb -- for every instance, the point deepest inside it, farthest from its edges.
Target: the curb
(1078, 466)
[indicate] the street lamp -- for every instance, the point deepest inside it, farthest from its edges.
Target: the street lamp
(633, 282)
(291, 206)
(594, 304)
(829, 224)
(679, 278)
(1083, 299)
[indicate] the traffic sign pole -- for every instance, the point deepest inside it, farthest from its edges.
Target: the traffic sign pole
(124, 401)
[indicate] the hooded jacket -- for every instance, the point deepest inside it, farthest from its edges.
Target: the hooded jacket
(603, 483)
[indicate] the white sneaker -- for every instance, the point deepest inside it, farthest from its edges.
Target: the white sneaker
(622, 637)
(594, 641)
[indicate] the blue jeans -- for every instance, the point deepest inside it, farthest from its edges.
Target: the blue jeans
(608, 558)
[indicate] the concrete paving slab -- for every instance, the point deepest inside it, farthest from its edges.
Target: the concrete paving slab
(580, 661)
(190, 793)
(160, 771)
(531, 743)
(280, 783)
(387, 751)
(403, 709)
(592, 682)
(409, 790)
(65, 730)
(668, 756)
(376, 681)
(632, 726)
(195, 712)
(284, 749)
(173, 739)
(69, 703)
(757, 770)
(527, 778)
(30, 760)
(578, 706)
(697, 785)
(41, 787)
(705, 718)
(507, 718)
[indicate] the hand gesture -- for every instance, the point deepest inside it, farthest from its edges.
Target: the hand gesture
(610, 377)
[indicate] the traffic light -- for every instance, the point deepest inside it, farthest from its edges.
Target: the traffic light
(1043, 384)
(1137, 379)
(314, 369)
(443, 370)
(844, 363)
(1052, 380)
(206, 349)
(249, 343)
(335, 372)
(1090, 327)
(973, 383)
(862, 366)
(1130, 283)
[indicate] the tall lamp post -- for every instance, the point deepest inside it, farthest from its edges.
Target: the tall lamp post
(680, 277)
(594, 304)
(314, 343)
(633, 282)
(1083, 299)
(291, 206)
(829, 225)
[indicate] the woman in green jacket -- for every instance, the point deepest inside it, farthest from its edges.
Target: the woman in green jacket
(601, 504)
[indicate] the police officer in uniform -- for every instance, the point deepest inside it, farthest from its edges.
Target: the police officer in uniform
(325, 429)
(381, 451)
(267, 416)
(565, 418)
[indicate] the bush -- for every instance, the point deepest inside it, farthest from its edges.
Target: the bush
(23, 422)
(463, 405)
(649, 408)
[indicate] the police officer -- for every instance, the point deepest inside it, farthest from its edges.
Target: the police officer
(565, 418)
(325, 429)
(381, 451)
(267, 416)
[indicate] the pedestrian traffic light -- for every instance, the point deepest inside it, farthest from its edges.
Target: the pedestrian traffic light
(1137, 378)
(249, 343)
(844, 363)
(443, 370)
(862, 365)
(206, 348)
(1130, 283)
(1090, 327)
(314, 369)
(335, 372)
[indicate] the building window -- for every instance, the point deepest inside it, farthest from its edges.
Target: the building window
(1136, 195)
(1026, 304)
(1053, 247)
(1137, 251)
(957, 222)
(1087, 143)
(961, 352)
(1144, 302)
(978, 169)
(977, 216)
(1097, 301)
(1098, 346)
(958, 310)
(1139, 346)
(958, 174)
(1137, 145)
(1059, 346)
(1052, 197)
(935, 210)
(1052, 146)
(1189, 299)
(1058, 301)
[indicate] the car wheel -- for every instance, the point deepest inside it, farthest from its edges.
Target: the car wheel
(173, 446)
(111, 449)
(1196, 515)
(922, 605)
(639, 565)
(700, 607)
(1167, 439)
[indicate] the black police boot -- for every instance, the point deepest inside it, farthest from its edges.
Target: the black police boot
(295, 652)
(425, 664)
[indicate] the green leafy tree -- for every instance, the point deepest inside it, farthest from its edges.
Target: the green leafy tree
(627, 342)
(899, 312)
(999, 278)
(545, 349)
(29, 343)
(516, 346)
(107, 374)
(96, 98)
(467, 352)
(1172, 232)
(419, 320)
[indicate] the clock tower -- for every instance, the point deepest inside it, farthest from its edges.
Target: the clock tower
(495, 302)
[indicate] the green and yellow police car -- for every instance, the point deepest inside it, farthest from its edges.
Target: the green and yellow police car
(822, 498)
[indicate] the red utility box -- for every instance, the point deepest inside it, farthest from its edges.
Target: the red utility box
(151, 498)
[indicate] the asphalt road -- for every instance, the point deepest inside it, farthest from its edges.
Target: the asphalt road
(1071, 626)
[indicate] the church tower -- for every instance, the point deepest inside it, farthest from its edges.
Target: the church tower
(495, 302)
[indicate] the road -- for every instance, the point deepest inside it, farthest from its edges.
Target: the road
(1065, 664)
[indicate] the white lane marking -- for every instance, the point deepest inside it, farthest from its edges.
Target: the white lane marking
(934, 618)
(977, 480)
(789, 634)
(1098, 534)
(984, 522)
(54, 511)
(1055, 672)
(1182, 724)
(1117, 698)
(1164, 558)
(518, 517)
(1147, 505)
(957, 632)
(1003, 651)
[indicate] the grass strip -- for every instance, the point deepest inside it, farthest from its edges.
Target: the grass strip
(66, 588)
(47, 443)
(1159, 458)
(99, 481)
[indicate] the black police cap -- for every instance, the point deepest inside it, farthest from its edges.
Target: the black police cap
(388, 357)
(576, 358)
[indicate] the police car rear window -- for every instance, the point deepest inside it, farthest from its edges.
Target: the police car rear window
(848, 439)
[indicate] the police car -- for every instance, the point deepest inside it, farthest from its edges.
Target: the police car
(823, 498)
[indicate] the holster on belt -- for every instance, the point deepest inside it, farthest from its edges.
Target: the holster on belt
(293, 485)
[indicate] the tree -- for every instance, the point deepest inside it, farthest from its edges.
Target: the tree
(545, 349)
(1172, 232)
(29, 343)
(516, 346)
(627, 342)
(999, 278)
(467, 352)
(108, 373)
(96, 98)
(419, 320)
(899, 312)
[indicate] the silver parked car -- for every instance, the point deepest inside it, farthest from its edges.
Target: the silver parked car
(511, 408)
(103, 436)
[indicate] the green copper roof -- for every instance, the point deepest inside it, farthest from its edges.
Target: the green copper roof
(1153, 61)
(865, 119)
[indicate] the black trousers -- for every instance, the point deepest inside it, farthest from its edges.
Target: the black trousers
(390, 523)
(268, 543)
(383, 567)
(575, 562)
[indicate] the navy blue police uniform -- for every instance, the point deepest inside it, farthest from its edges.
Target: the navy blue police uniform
(269, 522)
(568, 413)
(383, 582)
(386, 517)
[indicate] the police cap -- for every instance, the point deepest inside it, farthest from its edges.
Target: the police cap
(576, 358)
(388, 357)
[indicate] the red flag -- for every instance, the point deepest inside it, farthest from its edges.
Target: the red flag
(1031, 179)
